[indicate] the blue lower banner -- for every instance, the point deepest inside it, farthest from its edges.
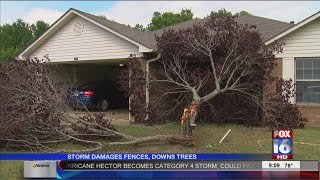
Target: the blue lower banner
(134, 156)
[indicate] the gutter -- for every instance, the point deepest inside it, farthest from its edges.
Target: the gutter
(148, 82)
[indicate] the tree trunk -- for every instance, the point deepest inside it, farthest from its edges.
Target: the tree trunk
(188, 119)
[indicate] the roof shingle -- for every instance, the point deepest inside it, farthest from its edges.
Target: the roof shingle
(268, 28)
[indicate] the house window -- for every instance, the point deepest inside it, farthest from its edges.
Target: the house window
(308, 80)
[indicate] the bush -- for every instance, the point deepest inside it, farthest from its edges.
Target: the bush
(30, 110)
(281, 114)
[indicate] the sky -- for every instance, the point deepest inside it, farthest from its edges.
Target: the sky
(134, 12)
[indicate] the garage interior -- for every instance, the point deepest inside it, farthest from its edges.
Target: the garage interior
(106, 72)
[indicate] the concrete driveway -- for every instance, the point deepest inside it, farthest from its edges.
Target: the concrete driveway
(119, 116)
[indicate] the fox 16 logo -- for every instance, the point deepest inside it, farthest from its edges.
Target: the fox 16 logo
(282, 144)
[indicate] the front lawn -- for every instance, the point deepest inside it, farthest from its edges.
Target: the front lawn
(240, 140)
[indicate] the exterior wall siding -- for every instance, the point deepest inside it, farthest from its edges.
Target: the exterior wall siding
(288, 71)
(94, 43)
(304, 42)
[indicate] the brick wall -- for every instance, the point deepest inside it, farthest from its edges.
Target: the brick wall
(277, 72)
(142, 63)
(312, 113)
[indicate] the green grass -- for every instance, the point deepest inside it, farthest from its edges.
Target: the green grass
(11, 170)
(240, 140)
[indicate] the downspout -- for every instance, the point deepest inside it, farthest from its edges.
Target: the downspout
(148, 82)
(130, 117)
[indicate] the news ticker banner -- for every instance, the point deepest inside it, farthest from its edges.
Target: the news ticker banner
(66, 169)
(134, 156)
(189, 165)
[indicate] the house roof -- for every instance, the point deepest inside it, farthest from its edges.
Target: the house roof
(293, 28)
(146, 40)
(267, 27)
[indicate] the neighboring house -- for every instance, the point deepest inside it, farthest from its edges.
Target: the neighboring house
(91, 46)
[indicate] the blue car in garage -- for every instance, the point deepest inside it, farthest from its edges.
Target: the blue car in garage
(98, 95)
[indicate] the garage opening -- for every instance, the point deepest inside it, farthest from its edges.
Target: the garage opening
(95, 88)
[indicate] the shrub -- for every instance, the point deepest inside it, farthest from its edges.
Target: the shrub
(281, 114)
(30, 110)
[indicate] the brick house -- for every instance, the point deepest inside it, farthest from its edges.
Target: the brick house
(92, 47)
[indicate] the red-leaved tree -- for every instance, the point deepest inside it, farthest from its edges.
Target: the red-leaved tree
(216, 71)
(216, 59)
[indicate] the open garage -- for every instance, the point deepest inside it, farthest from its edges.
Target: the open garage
(98, 81)
(94, 85)
(90, 49)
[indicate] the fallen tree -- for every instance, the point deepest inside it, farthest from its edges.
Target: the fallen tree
(221, 59)
(216, 69)
(35, 113)
(231, 58)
